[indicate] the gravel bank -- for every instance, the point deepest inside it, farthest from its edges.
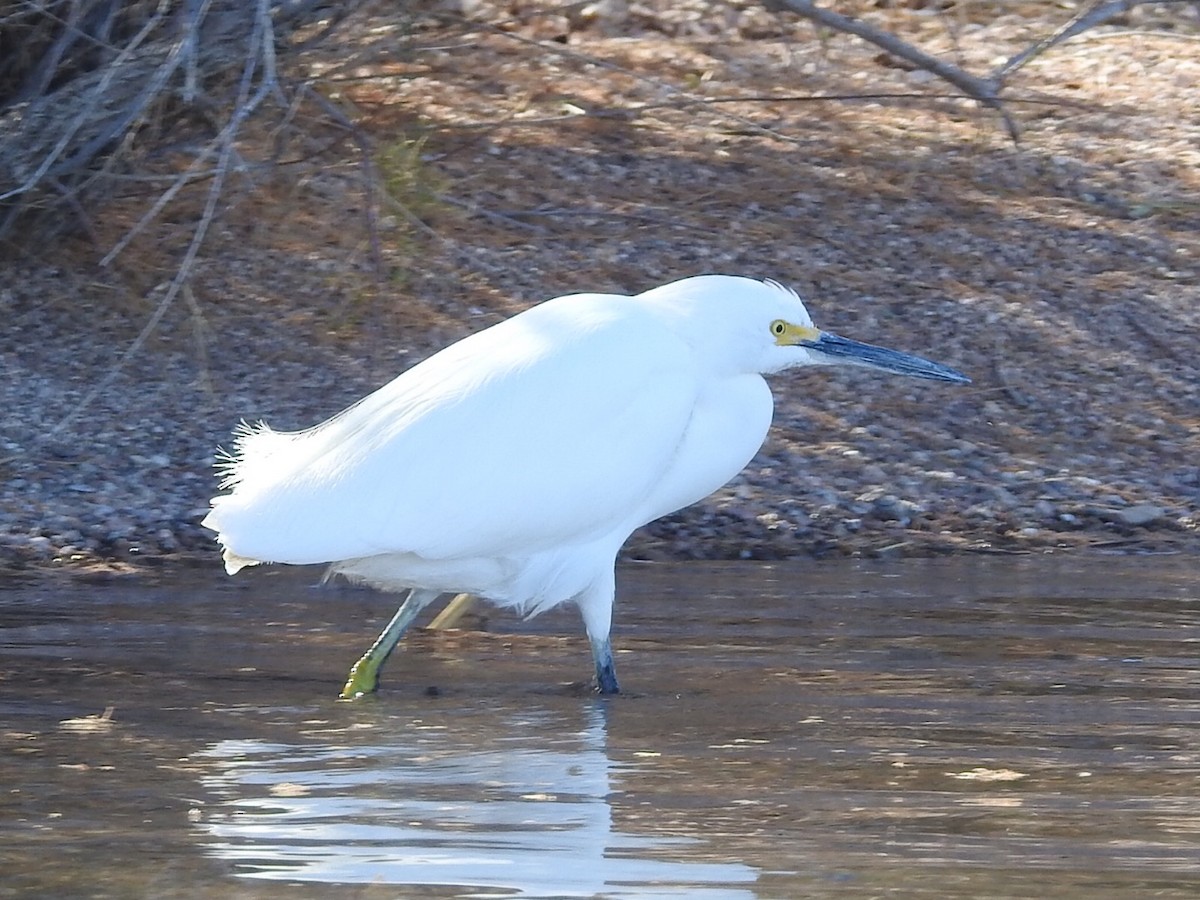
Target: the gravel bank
(1063, 275)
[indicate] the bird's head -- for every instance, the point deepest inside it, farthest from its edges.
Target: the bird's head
(762, 326)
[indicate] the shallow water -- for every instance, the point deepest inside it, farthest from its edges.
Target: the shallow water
(946, 728)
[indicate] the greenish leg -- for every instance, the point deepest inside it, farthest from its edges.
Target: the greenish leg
(453, 612)
(364, 674)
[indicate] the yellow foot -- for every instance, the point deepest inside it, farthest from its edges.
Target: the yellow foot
(363, 679)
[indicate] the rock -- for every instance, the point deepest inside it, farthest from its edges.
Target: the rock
(892, 509)
(1142, 514)
(1045, 509)
(873, 474)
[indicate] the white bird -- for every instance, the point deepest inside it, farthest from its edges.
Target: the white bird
(514, 463)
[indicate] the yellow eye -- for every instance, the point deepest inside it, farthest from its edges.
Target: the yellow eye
(778, 327)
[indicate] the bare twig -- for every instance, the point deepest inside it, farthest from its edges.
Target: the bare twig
(984, 90)
(200, 331)
(367, 162)
(257, 62)
(1098, 14)
(94, 74)
(987, 90)
(659, 84)
(91, 105)
(1152, 336)
(503, 219)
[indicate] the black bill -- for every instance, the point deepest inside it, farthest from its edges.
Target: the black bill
(843, 351)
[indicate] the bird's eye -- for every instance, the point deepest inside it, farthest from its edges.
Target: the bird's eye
(778, 327)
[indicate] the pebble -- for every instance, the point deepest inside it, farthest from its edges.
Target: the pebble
(1142, 514)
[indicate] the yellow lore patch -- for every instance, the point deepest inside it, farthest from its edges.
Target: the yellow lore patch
(789, 335)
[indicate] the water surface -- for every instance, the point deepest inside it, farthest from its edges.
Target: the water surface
(1011, 727)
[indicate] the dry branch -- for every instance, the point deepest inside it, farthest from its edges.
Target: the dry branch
(82, 80)
(985, 91)
(1103, 11)
(99, 85)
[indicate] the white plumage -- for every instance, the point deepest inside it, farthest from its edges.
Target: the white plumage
(514, 463)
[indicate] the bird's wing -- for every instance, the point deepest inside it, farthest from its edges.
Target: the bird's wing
(548, 428)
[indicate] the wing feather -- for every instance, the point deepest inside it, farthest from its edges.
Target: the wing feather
(547, 428)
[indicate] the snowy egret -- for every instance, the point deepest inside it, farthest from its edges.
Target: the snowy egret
(515, 463)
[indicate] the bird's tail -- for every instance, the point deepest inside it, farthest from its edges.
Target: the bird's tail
(255, 453)
(255, 449)
(233, 562)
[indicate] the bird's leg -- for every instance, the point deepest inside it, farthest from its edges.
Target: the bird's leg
(606, 674)
(453, 612)
(364, 674)
(595, 605)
